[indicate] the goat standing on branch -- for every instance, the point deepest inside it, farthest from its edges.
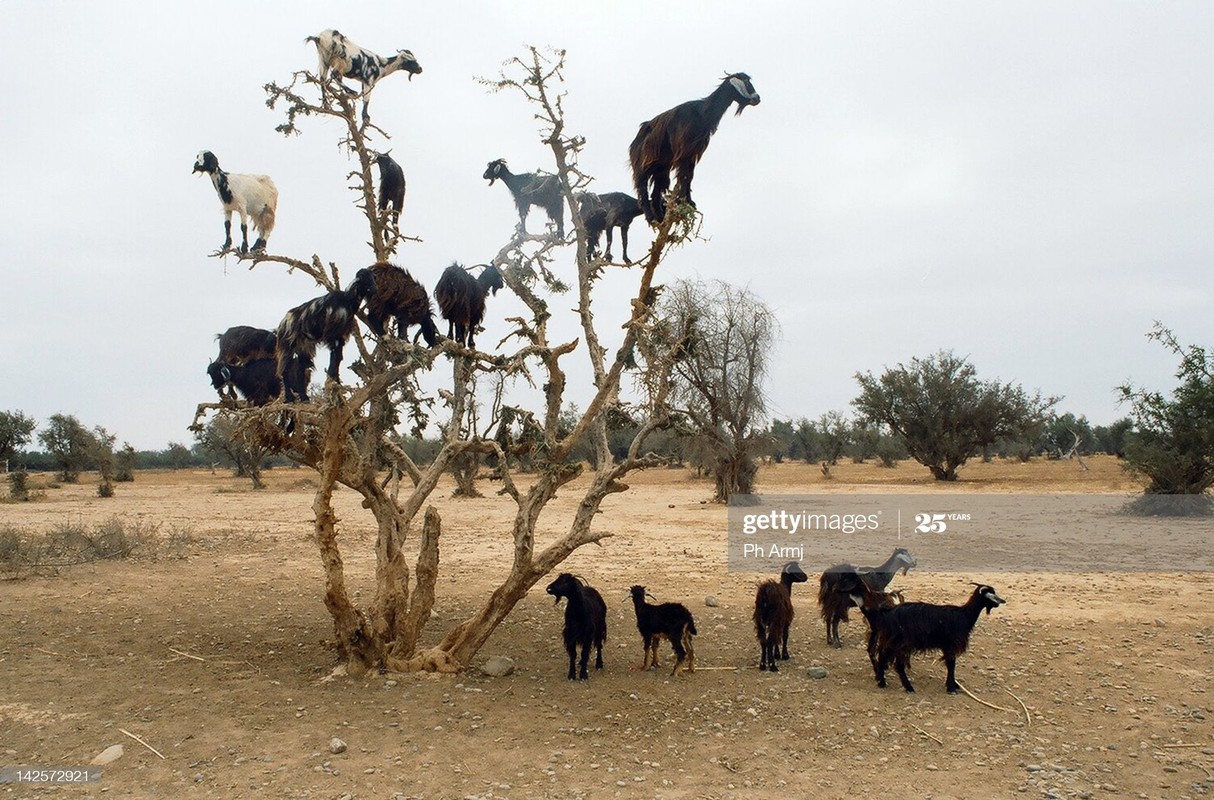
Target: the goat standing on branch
(531, 189)
(461, 300)
(602, 212)
(676, 139)
(391, 186)
(248, 195)
(341, 58)
(329, 318)
(391, 292)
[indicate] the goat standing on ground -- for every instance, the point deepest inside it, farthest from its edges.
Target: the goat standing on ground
(531, 189)
(585, 621)
(676, 139)
(252, 196)
(774, 614)
(670, 620)
(602, 212)
(391, 186)
(341, 58)
(391, 292)
(839, 582)
(329, 318)
(918, 627)
(461, 300)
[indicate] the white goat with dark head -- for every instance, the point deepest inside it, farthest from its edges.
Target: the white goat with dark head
(341, 58)
(252, 196)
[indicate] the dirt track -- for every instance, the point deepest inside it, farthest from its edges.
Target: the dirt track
(1115, 668)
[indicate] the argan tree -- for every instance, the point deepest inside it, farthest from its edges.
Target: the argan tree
(722, 336)
(15, 432)
(229, 441)
(1172, 444)
(352, 434)
(943, 413)
(69, 443)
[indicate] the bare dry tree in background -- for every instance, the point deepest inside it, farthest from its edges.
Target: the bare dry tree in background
(352, 435)
(719, 377)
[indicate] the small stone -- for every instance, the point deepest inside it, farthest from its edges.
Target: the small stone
(498, 667)
(108, 755)
(336, 745)
(817, 672)
(711, 601)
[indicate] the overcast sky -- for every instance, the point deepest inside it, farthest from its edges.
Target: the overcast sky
(1027, 184)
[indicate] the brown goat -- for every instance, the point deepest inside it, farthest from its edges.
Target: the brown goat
(461, 300)
(677, 138)
(774, 614)
(391, 292)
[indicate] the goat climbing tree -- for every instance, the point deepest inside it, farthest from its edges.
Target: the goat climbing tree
(351, 435)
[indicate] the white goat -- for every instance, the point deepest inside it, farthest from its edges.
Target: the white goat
(341, 58)
(248, 195)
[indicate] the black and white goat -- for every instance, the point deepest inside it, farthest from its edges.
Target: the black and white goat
(391, 293)
(677, 138)
(328, 319)
(250, 196)
(341, 58)
(602, 212)
(585, 621)
(911, 628)
(839, 582)
(391, 186)
(461, 300)
(665, 620)
(531, 189)
(774, 614)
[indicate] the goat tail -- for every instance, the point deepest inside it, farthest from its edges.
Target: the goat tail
(691, 626)
(265, 220)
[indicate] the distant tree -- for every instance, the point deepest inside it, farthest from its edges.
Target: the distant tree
(1066, 435)
(101, 453)
(1110, 439)
(69, 444)
(943, 414)
(15, 432)
(808, 441)
(179, 456)
(124, 463)
(226, 442)
(1172, 444)
(834, 431)
(783, 440)
(718, 379)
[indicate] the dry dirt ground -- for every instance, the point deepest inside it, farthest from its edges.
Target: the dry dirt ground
(217, 656)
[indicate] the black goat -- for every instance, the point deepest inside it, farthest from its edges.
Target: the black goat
(391, 186)
(461, 300)
(531, 189)
(391, 292)
(839, 582)
(677, 138)
(918, 627)
(602, 212)
(243, 343)
(585, 620)
(670, 620)
(329, 318)
(774, 614)
(257, 380)
(871, 603)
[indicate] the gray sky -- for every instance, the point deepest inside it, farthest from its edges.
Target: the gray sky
(1028, 184)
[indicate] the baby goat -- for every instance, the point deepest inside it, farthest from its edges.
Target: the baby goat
(838, 582)
(918, 627)
(585, 620)
(602, 212)
(670, 620)
(341, 58)
(248, 195)
(774, 613)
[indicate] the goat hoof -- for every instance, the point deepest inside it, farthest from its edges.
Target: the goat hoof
(954, 689)
(837, 645)
(910, 689)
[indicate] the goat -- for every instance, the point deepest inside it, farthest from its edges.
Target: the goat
(918, 627)
(341, 58)
(871, 603)
(838, 582)
(390, 291)
(252, 196)
(257, 379)
(391, 186)
(602, 212)
(677, 138)
(531, 189)
(238, 345)
(585, 620)
(461, 300)
(670, 620)
(329, 318)
(774, 614)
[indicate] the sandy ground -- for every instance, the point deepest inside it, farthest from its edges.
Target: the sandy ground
(216, 658)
